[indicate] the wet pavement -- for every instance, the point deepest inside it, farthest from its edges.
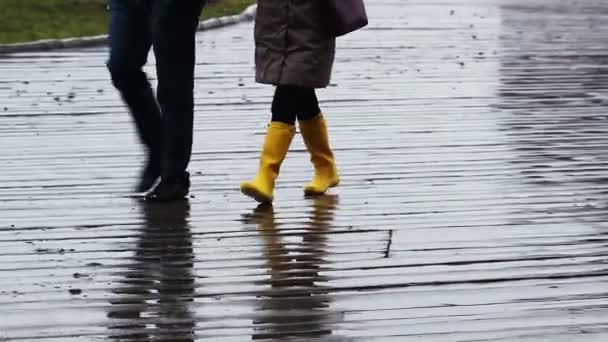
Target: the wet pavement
(471, 137)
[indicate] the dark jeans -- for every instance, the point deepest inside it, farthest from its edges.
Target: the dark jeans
(291, 102)
(164, 123)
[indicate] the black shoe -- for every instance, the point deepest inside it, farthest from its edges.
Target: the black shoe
(172, 189)
(149, 176)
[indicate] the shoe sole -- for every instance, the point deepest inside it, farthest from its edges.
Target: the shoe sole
(165, 199)
(147, 185)
(256, 195)
(177, 197)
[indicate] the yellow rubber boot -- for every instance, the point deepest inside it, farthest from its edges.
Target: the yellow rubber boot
(276, 145)
(316, 139)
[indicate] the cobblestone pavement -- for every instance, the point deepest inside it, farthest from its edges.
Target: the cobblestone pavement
(471, 136)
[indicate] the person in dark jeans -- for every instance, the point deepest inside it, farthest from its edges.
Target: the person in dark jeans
(164, 123)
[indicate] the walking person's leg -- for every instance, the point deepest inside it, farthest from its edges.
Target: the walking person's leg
(295, 50)
(130, 43)
(173, 25)
(285, 104)
(276, 144)
(314, 131)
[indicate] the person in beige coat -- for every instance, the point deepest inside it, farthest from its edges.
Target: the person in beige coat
(294, 51)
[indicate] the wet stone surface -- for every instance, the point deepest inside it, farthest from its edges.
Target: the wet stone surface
(471, 137)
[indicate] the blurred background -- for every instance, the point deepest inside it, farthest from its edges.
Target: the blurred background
(28, 20)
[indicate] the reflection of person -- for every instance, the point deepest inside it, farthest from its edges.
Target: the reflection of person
(296, 304)
(295, 52)
(165, 127)
(159, 287)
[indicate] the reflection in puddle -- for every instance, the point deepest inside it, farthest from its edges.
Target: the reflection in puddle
(154, 298)
(297, 304)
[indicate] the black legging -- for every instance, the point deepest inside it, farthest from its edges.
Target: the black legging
(294, 102)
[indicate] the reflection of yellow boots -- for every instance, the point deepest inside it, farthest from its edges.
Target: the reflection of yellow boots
(316, 139)
(276, 145)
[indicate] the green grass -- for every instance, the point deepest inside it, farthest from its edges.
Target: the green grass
(28, 20)
(219, 8)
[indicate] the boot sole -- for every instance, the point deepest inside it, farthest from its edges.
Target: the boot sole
(311, 193)
(256, 195)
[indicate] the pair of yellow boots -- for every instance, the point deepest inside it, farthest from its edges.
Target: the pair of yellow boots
(276, 145)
